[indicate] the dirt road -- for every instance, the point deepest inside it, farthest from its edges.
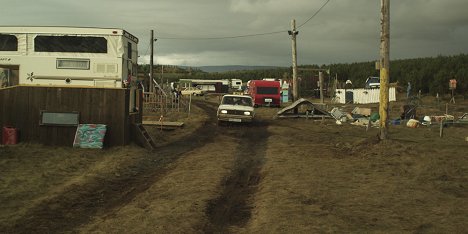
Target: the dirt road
(294, 175)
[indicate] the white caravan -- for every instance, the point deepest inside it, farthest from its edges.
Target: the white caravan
(67, 56)
(236, 84)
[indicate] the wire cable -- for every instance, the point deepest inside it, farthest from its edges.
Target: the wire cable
(146, 52)
(314, 14)
(222, 38)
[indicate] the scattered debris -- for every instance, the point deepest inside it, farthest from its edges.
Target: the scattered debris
(359, 116)
(395, 122)
(361, 111)
(408, 112)
(361, 122)
(412, 123)
(440, 118)
(427, 120)
(338, 114)
(463, 118)
(374, 117)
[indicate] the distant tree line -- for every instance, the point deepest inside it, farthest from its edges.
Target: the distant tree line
(246, 75)
(430, 75)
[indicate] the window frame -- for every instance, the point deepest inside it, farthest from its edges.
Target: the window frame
(70, 44)
(7, 43)
(75, 123)
(88, 62)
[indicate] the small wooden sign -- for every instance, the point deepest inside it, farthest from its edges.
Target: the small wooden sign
(453, 84)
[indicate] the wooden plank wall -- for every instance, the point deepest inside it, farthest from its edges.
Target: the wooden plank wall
(20, 107)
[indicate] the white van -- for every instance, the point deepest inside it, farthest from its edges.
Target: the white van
(372, 82)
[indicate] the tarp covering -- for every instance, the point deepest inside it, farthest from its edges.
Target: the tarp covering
(90, 136)
(310, 109)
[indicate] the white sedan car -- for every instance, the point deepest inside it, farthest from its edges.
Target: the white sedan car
(236, 108)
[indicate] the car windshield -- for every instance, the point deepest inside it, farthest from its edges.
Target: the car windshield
(243, 101)
(373, 80)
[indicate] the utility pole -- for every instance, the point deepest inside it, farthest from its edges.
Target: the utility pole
(293, 34)
(321, 87)
(162, 74)
(384, 67)
(151, 63)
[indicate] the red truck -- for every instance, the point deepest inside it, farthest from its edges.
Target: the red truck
(265, 92)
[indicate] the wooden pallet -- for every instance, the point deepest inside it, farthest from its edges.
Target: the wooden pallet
(164, 124)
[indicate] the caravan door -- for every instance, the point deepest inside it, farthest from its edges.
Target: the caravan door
(8, 76)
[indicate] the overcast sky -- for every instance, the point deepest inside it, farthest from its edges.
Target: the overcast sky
(343, 31)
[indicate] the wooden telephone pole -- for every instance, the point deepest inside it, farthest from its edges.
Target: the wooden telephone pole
(384, 67)
(151, 63)
(321, 87)
(293, 34)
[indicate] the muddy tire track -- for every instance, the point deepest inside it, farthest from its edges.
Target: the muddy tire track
(78, 205)
(233, 207)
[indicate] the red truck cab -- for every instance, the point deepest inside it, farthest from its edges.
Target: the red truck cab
(265, 92)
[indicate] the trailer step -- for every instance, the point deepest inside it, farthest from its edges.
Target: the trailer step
(143, 138)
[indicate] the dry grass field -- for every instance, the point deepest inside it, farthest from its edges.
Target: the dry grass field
(275, 176)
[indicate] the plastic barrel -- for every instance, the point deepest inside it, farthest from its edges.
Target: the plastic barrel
(9, 136)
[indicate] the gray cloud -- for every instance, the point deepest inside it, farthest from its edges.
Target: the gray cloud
(344, 31)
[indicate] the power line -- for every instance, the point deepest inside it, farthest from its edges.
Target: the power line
(146, 52)
(222, 38)
(314, 14)
(246, 35)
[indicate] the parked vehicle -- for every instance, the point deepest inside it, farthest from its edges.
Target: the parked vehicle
(265, 92)
(209, 86)
(372, 82)
(236, 84)
(69, 56)
(236, 108)
(196, 91)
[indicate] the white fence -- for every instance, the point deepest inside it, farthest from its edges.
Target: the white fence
(362, 96)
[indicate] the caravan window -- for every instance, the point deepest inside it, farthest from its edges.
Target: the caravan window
(70, 44)
(129, 50)
(8, 43)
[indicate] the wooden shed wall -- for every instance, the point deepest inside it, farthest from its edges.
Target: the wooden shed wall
(20, 107)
